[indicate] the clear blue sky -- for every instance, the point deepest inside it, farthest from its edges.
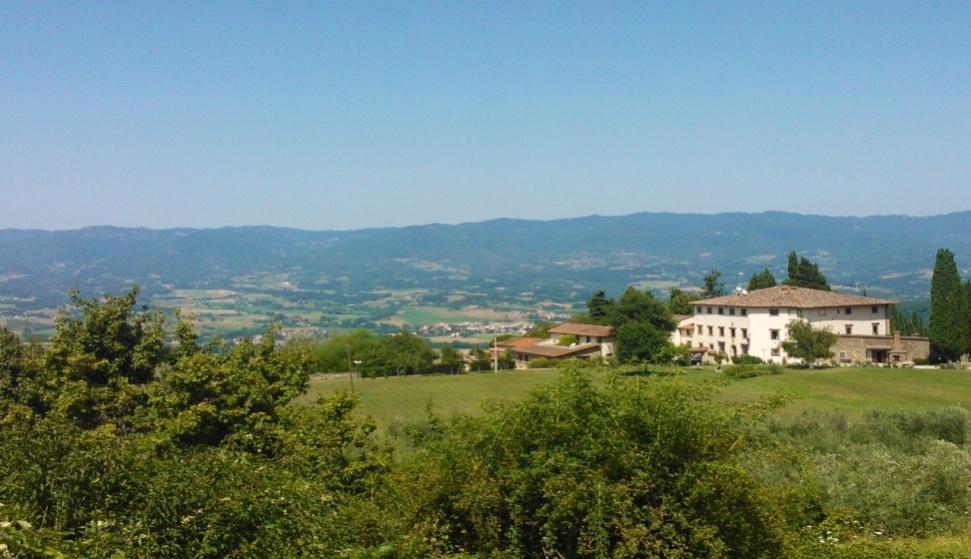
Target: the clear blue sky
(358, 114)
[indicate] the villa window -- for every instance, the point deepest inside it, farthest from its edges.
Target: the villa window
(849, 329)
(731, 311)
(821, 312)
(773, 312)
(745, 333)
(774, 334)
(711, 331)
(721, 331)
(775, 352)
(699, 330)
(875, 309)
(709, 310)
(732, 332)
(849, 310)
(697, 310)
(721, 347)
(721, 310)
(876, 328)
(744, 312)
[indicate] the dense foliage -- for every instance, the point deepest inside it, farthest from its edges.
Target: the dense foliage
(401, 353)
(911, 324)
(761, 280)
(125, 438)
(642, 322)
(805, 273)
(713, 286)
(808, 343)
(680, 301)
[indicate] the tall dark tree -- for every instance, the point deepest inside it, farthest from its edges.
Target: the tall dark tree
(793, 268)
(641, 341)
(599, 306)
(947, 297)
(965, 319)
(911, 324)
(713, 286)
(761, 280)
(805, 273)
(680, 302)
(640, 306)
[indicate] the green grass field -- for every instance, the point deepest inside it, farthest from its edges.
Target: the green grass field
(850, 390)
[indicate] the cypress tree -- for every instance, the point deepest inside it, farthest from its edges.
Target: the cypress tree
(965, 319)
(805, 273)
(795, 273)
(947, 298)
(599, 306)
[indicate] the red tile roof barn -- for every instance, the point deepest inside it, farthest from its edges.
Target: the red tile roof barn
(583, 330)
(789, 296)
(519, 342)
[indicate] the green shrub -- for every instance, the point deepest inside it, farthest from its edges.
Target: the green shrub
(554, 475)
(576, 363)
(902, 474)
(747, 360)
(749, 371)
(542, 363)
(568, 340)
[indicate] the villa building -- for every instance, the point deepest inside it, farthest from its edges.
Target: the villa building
(593, 342)
(754, 323)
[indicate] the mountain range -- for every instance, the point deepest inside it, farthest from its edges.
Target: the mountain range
(562, 259)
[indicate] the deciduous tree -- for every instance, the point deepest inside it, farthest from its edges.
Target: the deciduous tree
(808, 343)
(713, 287)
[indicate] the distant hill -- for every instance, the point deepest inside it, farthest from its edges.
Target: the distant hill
(560, 259)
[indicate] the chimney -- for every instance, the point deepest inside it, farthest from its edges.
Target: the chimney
(897, 344)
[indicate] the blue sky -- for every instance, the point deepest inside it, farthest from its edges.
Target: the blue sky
(348, 115)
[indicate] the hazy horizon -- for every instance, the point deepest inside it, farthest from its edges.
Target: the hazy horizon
(363, 115)
(486, 220)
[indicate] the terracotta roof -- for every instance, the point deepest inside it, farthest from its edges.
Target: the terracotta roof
(795, 297)
(519, 342)
(583, 330)
(548, 350)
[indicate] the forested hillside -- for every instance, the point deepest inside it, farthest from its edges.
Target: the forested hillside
(504, 258)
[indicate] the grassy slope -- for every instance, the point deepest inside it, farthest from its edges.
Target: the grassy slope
(851, 390)
(404, 398)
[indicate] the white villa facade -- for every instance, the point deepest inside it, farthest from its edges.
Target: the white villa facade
(755, 323)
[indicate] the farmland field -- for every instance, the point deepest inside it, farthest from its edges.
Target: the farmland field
(428, 315)
(851, 390)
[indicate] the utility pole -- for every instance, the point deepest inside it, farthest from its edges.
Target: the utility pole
(495, 353)
(350, 367)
